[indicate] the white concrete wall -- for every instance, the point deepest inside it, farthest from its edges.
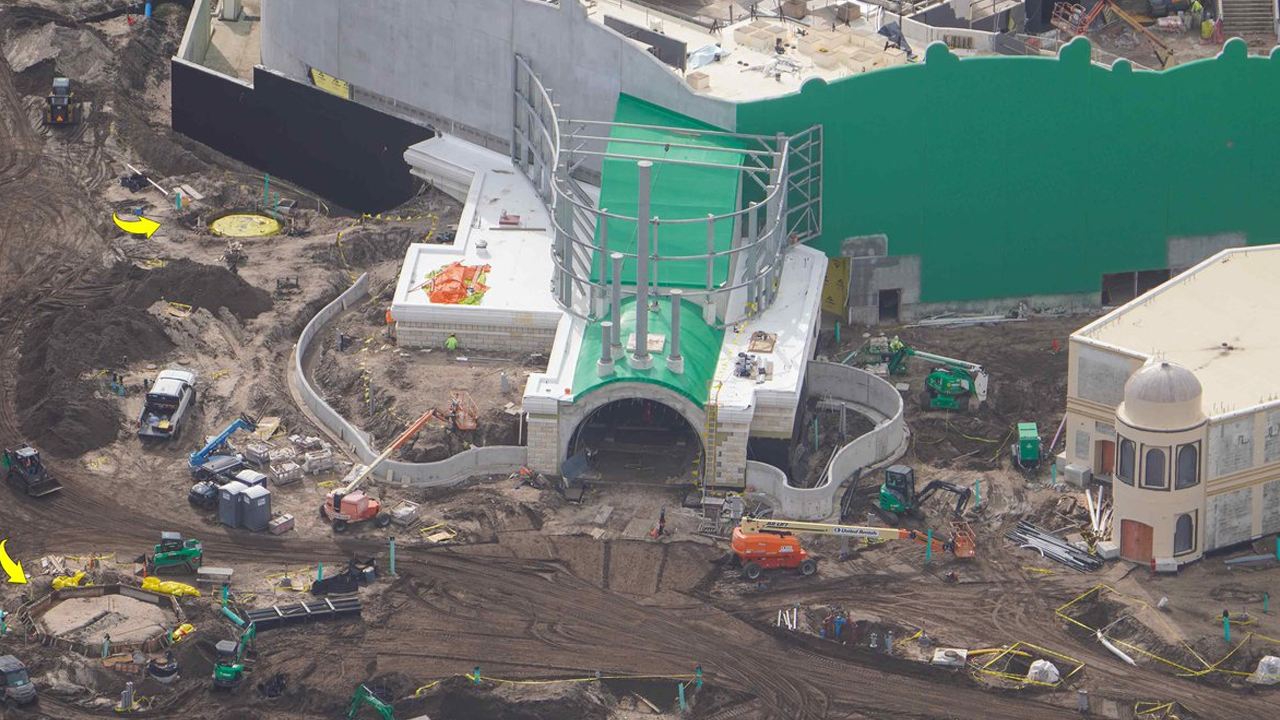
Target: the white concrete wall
(455, 58)
(199, 32)
(880, 446)
(496, 459)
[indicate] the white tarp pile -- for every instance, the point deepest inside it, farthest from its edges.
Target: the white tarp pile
(1043, 671)
(1268, 672)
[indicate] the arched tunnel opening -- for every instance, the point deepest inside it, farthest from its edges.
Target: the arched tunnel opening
(639, 440)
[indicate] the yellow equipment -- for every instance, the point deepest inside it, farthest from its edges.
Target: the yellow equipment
(169, 587)
(66, 581)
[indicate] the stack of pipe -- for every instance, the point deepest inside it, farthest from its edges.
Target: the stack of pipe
(1034, 537)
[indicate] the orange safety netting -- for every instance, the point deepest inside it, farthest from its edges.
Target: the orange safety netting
(457, 284)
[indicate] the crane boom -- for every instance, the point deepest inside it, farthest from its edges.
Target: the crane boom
(403, 438)
(759, 525)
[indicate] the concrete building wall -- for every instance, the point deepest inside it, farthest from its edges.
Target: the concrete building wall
(454, 58)
(479, 337)
(199, 32)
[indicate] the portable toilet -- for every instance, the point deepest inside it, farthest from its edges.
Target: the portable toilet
(229, 503)
(255, 508)
(251, 478)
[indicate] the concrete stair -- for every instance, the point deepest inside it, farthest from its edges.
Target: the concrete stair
(1248, 17)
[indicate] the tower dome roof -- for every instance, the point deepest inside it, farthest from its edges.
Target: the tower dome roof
(1162, 382)
(1162, 395)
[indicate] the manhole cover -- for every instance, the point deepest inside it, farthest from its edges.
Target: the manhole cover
(244, 225)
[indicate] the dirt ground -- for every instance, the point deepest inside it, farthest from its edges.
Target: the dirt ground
(539, 594)
(383, 388)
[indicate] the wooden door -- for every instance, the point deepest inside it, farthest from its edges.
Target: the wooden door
(1135, 541)
(1104, 457)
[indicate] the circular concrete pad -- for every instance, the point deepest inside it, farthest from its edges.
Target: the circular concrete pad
(121, 617)
(244, 225)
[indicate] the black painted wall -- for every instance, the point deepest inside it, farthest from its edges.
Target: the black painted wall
(343, 151)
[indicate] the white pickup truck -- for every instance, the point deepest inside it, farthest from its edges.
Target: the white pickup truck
(169, 400)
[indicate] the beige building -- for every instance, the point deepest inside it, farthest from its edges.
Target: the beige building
(1174, 400)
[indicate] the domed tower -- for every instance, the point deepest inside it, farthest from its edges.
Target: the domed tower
(1158, 481)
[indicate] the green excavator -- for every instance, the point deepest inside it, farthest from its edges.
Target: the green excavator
(365, 696)
(898, 494)
(228, 669)
(951, 383)
(174, 553)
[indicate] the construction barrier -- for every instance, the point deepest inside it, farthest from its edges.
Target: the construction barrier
(995, 667)
(1206, 668)
(492, 460)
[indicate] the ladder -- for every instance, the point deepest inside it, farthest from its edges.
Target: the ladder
(709, 437)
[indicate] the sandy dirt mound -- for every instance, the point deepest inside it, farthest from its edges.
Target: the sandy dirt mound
(61, 410)
(200, 286)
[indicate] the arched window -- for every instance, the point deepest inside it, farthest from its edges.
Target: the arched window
(1153, 470)
(1187, 470)
(1184, 535)
(1124, 469)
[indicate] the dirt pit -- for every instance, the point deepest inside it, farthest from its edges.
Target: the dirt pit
(609, 699)
(90, 619)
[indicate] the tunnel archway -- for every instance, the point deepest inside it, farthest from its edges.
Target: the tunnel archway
(639, 439)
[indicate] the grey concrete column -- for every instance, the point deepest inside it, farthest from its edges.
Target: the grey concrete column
(615, 340)
(640, 359)
(709, 300)
(653, 250)
(753, 254)
(675, 361)
(604, 366)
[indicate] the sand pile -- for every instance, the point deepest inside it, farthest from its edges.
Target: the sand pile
(58, 408)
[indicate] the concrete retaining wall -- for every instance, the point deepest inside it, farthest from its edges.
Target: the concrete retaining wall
(497, 459)
(199, 32)
(868, 394)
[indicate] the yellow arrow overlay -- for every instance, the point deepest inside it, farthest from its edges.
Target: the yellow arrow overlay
(141, 226)
(11, 568)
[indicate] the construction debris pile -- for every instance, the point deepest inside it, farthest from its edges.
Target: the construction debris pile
(1033, 537)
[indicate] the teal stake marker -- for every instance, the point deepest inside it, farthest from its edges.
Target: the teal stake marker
(320, 572)
(1053, 475)
(178, 198)
(699, 672)
(977, 492)
(1226, 626)
(477, 674)
(266, 187)
(928, 549)
(682, 705)
(837, 331)
(393, 554)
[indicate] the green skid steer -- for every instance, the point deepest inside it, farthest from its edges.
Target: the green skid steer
(174, 553)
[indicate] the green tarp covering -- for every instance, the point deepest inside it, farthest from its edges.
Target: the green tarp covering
(678, 191)
(699, 344)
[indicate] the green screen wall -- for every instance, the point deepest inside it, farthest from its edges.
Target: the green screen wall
(1035, 176)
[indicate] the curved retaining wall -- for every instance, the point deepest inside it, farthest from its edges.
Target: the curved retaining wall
(476, 461)
(873, 397)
